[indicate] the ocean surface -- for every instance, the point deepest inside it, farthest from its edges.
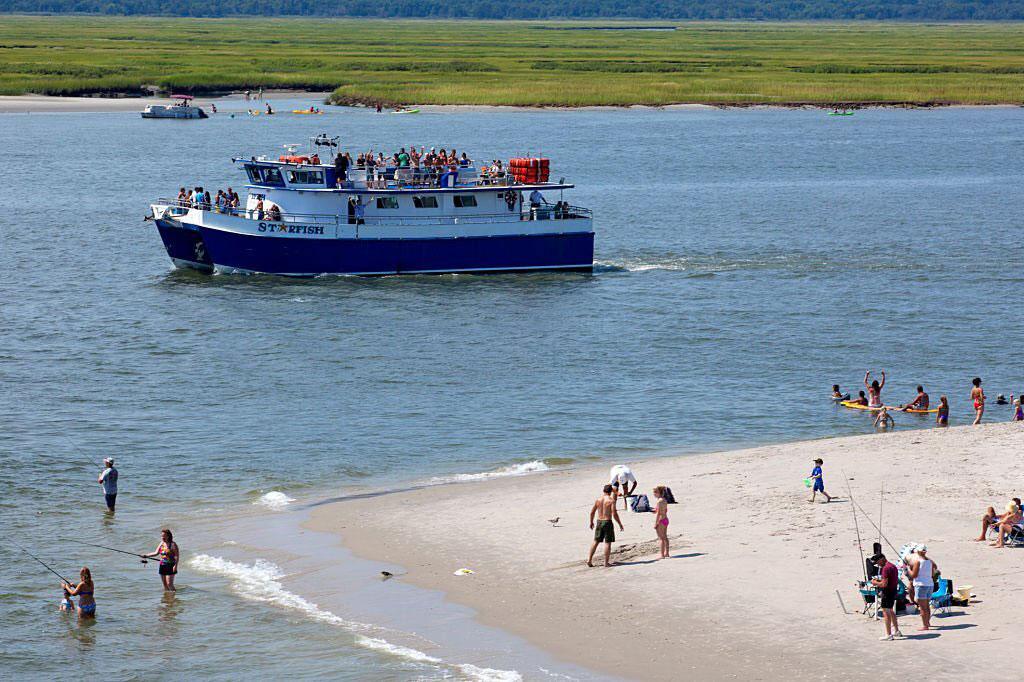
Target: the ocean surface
(747, 260)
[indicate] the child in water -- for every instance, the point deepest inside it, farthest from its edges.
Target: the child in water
(67, 604)
(837, 394)
(883, 419)
(942, 418)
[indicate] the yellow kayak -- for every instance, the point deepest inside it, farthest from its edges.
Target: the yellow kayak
(305, 111)
(857, 406)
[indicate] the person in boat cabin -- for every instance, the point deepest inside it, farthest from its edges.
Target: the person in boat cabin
(360, 211)
(259, 209)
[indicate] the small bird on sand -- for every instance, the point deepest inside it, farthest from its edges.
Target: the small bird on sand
(385, 575)
(554, 521)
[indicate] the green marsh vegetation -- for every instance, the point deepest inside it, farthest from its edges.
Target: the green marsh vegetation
(519, 63)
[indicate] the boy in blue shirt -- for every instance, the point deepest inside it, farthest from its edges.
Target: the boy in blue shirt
(819, 482)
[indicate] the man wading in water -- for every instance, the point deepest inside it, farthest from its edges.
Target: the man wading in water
(604, 531)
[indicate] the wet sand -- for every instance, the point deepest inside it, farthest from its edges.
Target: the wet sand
(750, 590)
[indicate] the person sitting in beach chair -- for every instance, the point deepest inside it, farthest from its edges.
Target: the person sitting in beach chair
(1010, 527)
(992, 520)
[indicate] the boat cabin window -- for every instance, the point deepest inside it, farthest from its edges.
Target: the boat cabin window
(425, 201)
(306, 177)
(264, 175)
(387, 202)
(464, 200)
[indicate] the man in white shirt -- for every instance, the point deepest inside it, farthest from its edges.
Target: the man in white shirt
(108, 479)
(623, 481)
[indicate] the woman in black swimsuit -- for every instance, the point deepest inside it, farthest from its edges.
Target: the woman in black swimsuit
(167, 550)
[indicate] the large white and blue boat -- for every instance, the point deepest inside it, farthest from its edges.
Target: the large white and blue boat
(304, 218)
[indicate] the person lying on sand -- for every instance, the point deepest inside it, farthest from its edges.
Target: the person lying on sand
(920, 401)
(884, 420)
(992, 519)
(604, 531)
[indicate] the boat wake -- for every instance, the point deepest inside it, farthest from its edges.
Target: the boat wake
(261, 582)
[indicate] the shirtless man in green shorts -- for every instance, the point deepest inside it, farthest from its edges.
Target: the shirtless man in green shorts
(604, 531)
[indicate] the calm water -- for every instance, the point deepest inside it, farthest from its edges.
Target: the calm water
(748, 260)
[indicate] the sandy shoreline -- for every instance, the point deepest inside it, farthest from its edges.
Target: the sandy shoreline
(751, 589)
(25, 104)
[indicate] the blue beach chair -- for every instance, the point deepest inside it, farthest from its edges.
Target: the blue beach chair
(942, 599)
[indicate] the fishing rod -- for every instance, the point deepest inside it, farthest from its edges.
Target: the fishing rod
(42, 563)
(860, 543)
(880, 533)
(881, 502)
(145, 559)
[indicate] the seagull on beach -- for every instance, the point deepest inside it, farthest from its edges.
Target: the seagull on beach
(554, 521)
(385, 575)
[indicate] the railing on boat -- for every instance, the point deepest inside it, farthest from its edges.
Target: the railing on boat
(544, 212)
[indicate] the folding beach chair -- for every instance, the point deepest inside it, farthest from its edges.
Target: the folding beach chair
(1015, 538)
(942, 599)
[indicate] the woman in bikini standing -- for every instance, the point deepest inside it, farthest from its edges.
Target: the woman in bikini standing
(661, 519)
(167, 550)
(978, 396)
(874, 389)
(84, 591)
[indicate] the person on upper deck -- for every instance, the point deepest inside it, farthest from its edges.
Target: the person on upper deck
(315, 159)
(341, 166)
(402, 159)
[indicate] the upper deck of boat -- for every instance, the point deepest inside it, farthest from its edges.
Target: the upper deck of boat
(309, 177)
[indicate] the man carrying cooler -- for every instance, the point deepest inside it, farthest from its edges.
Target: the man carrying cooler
(108, 479)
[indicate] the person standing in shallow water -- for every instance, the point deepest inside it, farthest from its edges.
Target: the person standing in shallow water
(167, 550)
(874, 389)
(108, 479)
(978, 398)
(84, 591)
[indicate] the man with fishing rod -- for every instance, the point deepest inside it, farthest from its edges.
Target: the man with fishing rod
(108, 479)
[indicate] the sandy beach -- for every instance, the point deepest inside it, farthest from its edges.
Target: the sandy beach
(750, 589)
(27, 104)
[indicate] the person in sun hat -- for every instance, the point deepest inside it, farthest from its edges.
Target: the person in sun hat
(923, 572)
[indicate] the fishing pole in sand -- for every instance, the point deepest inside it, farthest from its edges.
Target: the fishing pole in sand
(142, 557)
(42, 563)
(878, 528)
(856, 525)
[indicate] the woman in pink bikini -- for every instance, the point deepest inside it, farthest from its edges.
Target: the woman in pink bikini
(978, 396)
(661, 519)
(874, 389)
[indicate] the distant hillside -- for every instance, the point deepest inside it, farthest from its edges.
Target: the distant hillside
(908, 10)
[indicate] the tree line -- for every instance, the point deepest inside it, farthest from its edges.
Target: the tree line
(905, 10)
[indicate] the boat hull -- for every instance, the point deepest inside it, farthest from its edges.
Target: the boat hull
(237, 252)
(184, 244)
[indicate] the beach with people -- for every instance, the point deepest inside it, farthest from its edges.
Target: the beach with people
(753, 584)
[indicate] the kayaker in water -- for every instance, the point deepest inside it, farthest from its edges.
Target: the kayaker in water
(874, 389)
(920, 402)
